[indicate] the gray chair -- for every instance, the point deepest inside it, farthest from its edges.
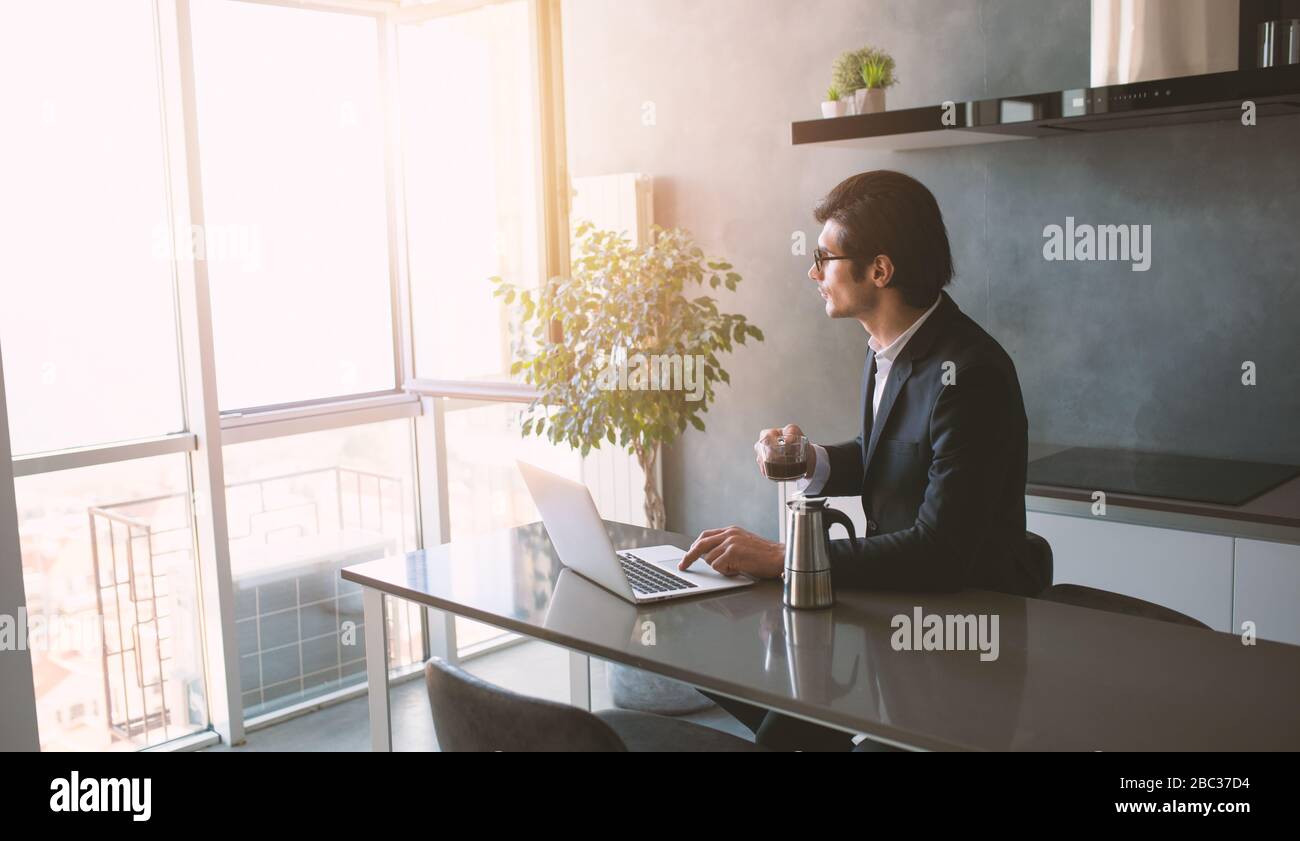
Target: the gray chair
(472, 715)
(1081, 596)
(1040, 560)
(636, 689)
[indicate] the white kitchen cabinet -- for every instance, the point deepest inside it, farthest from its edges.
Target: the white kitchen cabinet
(1187, 571)
(1267, 591)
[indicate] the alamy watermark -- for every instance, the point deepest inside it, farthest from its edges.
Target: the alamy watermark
(946, 632)
(1128, 243)
(55, 632)
(653, 372)
(132, 795)
(239, 245)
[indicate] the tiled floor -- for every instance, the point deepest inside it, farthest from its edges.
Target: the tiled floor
(534, 668)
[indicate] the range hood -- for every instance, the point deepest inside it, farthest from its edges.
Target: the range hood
(1153, 63)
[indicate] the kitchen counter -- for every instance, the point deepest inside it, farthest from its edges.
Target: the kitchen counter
(1273, 515)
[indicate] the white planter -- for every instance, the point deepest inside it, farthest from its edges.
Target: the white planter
(838, 108)
(869, 100)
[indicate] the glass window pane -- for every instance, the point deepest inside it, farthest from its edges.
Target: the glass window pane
(108, 569)
(299, 509)
(85, 272)
(469, 154)
(484, 489)
(291, 139)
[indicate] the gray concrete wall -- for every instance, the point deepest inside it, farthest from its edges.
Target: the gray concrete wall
(1107, 356)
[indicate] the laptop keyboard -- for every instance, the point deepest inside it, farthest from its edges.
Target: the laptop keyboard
(648, 579)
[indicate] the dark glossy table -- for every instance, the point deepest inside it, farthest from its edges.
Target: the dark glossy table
(1065, 678)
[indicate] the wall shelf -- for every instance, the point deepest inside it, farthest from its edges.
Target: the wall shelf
(1187, 99)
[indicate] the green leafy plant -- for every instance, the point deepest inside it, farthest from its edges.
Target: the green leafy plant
(846, 73)
(833, 94)
(624, 302)
(878, 71)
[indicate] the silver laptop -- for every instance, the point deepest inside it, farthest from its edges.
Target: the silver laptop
(643, 574)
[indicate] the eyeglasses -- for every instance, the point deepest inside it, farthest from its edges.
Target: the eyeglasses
(822, 256)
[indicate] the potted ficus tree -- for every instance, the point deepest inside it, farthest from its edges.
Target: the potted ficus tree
(625, 351)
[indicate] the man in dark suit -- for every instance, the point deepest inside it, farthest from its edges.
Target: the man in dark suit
(940, 461)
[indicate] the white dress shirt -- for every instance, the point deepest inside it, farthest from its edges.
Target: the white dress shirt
(885, 357)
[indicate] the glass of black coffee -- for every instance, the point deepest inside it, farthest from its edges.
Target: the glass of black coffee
(784, 459)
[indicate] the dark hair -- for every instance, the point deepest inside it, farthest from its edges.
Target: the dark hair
(886, 212)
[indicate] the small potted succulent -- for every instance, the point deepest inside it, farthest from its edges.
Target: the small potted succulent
(859, 72)
(834, 106)
(877, 74)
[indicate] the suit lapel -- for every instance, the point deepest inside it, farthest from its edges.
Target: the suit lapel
(868, 388)
(916, 348)
(898, 375)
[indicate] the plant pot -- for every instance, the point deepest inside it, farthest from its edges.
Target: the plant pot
(869, 100)
(837, 108)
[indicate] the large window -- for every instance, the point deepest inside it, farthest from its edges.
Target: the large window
(108, 572)
(469, 151)
(300, 509)
(291, 137)
(88, 324)
(484, 489)
(308, 185)
(89, 333)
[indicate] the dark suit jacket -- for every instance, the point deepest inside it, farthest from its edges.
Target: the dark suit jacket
(942, 475)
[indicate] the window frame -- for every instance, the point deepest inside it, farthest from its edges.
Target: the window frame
(379, 11)
(207, 429)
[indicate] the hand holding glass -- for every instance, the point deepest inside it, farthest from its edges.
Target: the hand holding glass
(783, 458)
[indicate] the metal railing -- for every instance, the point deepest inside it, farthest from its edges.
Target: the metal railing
(134, 559)
(135, 704)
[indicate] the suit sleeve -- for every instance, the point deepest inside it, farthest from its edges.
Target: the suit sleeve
(812, 486)
(845, 462)
(969, 435)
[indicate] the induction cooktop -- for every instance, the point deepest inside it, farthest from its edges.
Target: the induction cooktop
(1191, 478)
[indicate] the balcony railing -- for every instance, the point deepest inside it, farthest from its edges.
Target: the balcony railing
(289, 535)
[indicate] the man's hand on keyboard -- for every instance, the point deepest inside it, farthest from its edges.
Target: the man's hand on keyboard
(733, 550)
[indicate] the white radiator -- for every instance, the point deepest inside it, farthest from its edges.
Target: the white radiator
(623, 202)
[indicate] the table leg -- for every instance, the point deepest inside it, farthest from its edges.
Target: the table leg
(441, 635)
(381, 731)
(580, 680)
